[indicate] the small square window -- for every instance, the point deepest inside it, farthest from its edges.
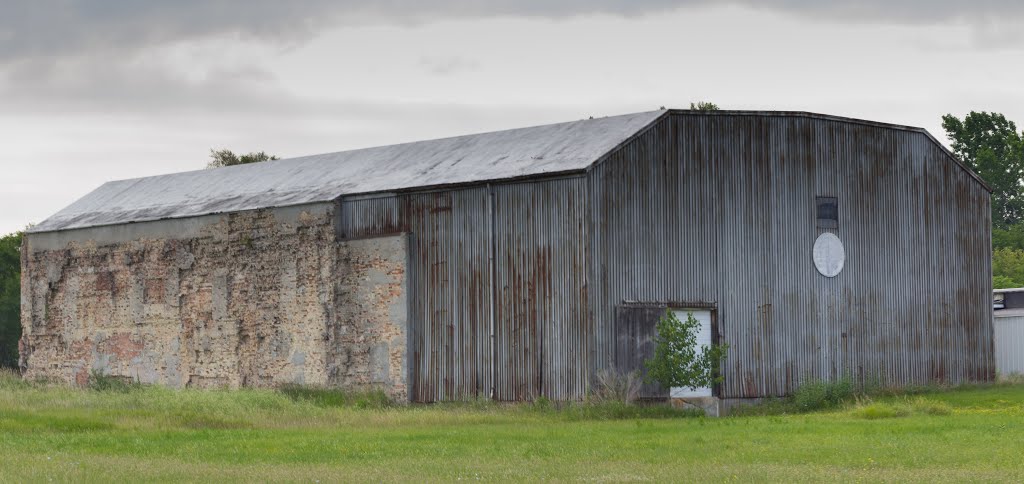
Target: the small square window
(828, 212)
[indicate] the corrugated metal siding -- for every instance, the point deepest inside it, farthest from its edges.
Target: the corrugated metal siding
(1009, 339)
(372, 216)
(635, 330)
(450, 294)
(721, 209)
(542, 332)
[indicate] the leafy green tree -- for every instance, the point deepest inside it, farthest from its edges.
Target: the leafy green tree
(704, 106)
(677, 361)
(226, 157)
(1003, 282)
(1007, 267)
(991, 146)
(1011, 237)
(10, 299)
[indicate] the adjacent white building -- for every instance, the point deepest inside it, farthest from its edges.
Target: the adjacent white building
(1008, 330)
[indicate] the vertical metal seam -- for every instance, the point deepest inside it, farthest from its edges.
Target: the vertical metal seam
(492, 286)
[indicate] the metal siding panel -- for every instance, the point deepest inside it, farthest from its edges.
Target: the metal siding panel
(542, 336)
(371, 217)
(541, 318)
(634, 343)
(1009, 339)
(450, 293)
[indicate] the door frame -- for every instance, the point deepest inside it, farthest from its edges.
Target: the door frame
(710, 306)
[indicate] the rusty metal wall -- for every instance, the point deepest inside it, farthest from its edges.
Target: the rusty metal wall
(720, 209)
(371, 216)
(449, 292)
(541, 321)
(543, 331)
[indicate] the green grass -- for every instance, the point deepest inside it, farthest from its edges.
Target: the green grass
(49, 432)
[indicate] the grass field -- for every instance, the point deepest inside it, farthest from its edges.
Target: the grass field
(50, 433)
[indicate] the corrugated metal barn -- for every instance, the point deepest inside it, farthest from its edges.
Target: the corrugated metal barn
(534, 257)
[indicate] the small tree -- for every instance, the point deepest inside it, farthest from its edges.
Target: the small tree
(703, 106)
(226, 157)
(677, 361)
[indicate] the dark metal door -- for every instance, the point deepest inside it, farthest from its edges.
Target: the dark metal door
(634, 343)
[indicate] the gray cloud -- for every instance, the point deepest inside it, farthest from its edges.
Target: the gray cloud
(447, 65)
(87, 56)
(47, 28)
(88, 87)
(89, 84)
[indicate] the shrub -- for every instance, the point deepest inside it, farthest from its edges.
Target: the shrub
(616, 386)
(820, 395)
(677, 361)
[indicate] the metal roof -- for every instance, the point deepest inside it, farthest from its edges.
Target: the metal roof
(500, 155)
(1008, 313)
(514, 153)
(1009, 289)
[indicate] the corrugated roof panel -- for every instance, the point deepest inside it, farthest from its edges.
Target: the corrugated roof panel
(464, 159)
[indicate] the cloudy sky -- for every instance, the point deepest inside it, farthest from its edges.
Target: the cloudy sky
(96, 90)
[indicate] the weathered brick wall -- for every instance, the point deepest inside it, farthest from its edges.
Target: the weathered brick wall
(372, 315)
(245, 299)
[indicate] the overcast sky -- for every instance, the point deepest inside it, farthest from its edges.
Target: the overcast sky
(98, 90)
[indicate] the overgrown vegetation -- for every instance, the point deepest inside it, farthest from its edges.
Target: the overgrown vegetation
(820, 395)
(869, 399)
(678, 361)
(335, 397)
(101, 382)
(616, 386)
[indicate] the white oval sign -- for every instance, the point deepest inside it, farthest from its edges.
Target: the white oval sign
(829, 255)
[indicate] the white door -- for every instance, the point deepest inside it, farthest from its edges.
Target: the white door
(703, 317)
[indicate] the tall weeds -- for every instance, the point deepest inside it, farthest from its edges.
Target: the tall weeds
(616, 386)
